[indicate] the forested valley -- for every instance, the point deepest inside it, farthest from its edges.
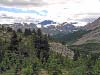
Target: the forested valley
(36, 53)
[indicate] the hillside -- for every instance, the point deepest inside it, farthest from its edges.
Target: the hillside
(87, 34)
(94, 33)
(34, 53)
(71, 37)
(61, 49)
(31, 53)
(93, 25)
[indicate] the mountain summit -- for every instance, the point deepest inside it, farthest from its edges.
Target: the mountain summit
(46, 22)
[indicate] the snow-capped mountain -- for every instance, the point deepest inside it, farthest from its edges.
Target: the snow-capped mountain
(47, 26)
(59, 28)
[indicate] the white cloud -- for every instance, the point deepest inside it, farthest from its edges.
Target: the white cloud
(58, 10)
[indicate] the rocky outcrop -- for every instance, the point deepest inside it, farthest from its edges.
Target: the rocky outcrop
(62, 49)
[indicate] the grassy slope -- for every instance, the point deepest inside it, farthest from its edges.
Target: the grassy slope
(87, 47)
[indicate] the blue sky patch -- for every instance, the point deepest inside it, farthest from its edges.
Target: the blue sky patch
(16, 10)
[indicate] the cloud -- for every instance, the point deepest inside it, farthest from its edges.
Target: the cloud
(22, 2)
(6, 17)
(87, 20)
(81, 11)
(86, 17)
(32, 2)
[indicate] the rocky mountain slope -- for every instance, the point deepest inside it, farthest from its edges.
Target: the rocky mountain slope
(47, 26)
(93, 36)
(93, 25)
(62, 49)
(60, 28)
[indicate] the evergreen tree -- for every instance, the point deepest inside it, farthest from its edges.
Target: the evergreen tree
(34, 31)
(94, 57)
(76, 55)
(14, 42)
(27, 32)
(39, 33)
(18, 70)
(19, 30)
(9, 29)
(41, 46)
(1, 51)
(56, 71)
(45, 50)
(34, 69)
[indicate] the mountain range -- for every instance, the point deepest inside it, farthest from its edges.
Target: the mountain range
(89, 33)
(65, 31)
(47, 26)
(59, 28)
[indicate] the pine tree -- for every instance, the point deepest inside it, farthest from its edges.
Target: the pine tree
(34, 69)
(14, 42)
(76, 55)
(1, 51)
(39, 33)
(45, 49)
(19, 30)
(18, 70)
(27, 32)
(34, 31)
(42, 47)
(9, 29)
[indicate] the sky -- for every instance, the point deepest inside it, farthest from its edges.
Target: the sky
(80, 11)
